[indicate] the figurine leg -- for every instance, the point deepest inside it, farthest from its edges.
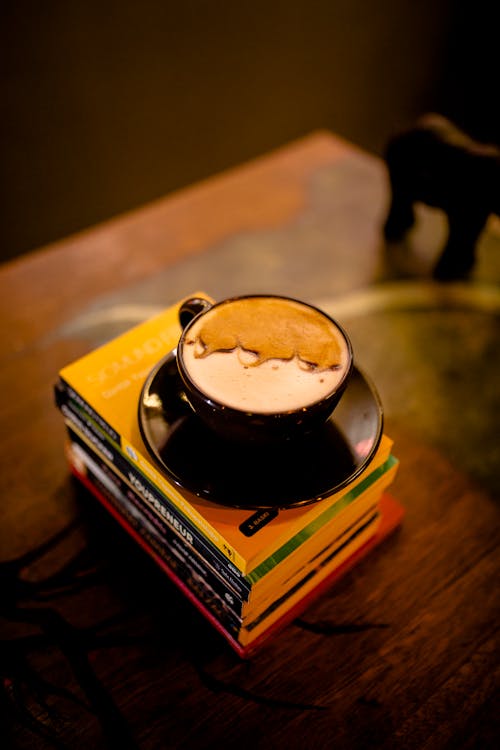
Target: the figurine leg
(459, 255)
(399, 219)
(401, 215)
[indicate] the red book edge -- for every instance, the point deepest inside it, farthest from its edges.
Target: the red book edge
(391, 516)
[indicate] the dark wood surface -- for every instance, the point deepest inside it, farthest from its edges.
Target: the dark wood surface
(98, 649)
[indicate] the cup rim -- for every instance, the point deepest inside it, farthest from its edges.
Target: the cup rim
(311, 405)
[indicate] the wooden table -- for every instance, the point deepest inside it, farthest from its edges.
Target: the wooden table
(98, 648)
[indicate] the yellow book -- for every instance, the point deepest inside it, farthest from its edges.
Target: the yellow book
(100, 392)
(274, 606)
(300, 562)
(256, 627)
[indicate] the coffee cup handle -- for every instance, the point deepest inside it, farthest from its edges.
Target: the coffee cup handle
(191, 307)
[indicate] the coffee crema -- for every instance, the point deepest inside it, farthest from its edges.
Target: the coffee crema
(265, 354)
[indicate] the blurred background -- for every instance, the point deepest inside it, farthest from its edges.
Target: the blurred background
(106, 106)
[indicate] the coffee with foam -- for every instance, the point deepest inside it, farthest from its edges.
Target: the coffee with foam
(265, 355)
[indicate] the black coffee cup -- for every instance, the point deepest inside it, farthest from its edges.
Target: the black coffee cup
(262, 368)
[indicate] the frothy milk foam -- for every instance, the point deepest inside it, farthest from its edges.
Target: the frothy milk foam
(265, 354)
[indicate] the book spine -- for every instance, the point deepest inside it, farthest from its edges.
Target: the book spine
(65, 393)
(179, 563)
(353, 540)
(168, 514)
(168, 543)
(348, 500)
(202, 600)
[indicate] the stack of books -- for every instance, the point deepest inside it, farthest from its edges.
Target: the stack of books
(250, 570)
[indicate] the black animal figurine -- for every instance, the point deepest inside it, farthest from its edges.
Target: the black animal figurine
(438, 164)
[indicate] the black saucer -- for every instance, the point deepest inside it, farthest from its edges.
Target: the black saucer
(291, 474)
